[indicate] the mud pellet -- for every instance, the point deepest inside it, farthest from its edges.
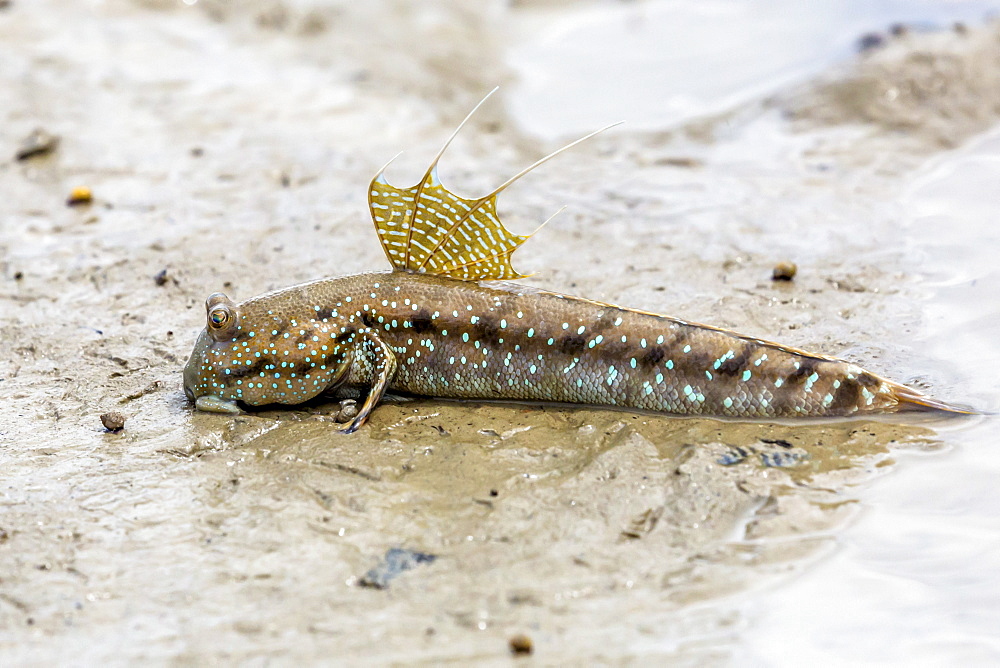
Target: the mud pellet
(784, 271)
(520, 645)
(113, 421)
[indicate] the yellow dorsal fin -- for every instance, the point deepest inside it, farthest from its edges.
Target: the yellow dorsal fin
(428, 229)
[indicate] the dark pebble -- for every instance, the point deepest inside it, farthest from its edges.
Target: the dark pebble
(113, 421)
(80, 195)
(784, 271)
(520, 645)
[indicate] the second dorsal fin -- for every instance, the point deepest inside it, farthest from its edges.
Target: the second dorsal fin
(428, 229)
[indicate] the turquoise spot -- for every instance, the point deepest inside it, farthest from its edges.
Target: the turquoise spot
(727, 402)
(746, 375)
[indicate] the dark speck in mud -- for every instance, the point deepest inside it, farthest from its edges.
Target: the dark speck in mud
(736, 455)
(197, 152)
(776, 441)
(784, 271)
(870, 41)
(685, 162)
(18, 275)
(39, 142)
(396, 562)
(520, 645)
(162, 277)
(114, 421)
(780, 459)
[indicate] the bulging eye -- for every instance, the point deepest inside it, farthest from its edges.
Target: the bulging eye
(223, 316)
(220, 317)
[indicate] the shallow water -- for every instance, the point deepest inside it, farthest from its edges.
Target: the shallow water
(915, 581)
(231, 146)
(657, 65)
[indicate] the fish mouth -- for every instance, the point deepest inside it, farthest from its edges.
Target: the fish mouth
(192, 370)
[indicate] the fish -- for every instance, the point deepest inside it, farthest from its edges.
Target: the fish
(448, 321)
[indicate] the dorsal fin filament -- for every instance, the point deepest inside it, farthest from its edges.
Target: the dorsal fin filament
(428, 229)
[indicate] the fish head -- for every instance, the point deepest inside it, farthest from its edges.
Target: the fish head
(263, 351)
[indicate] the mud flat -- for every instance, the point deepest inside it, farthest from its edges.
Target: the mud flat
(229, 148)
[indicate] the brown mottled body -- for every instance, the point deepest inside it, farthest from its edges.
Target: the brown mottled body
(448, 338)
(513, 342)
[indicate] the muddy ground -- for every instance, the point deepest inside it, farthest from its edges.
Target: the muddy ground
(229, 147)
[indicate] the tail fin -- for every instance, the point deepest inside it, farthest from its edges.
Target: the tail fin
(909, 399)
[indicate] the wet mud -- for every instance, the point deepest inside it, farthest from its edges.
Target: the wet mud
(229, 147)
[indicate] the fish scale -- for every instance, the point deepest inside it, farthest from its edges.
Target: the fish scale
(442, 323)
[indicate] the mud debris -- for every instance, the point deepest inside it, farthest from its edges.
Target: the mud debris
(155, 386)
(397, 561)
(39, 142)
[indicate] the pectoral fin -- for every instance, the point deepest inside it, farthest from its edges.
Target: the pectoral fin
(383, 365)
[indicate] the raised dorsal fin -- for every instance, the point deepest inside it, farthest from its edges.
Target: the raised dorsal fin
(428, 229)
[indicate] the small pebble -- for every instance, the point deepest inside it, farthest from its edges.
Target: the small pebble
(870, 41)
(348, 411)
(784, 271)
(39, 142)
(113, 421)
(162, 277)
(520, 645)
(79, 195)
